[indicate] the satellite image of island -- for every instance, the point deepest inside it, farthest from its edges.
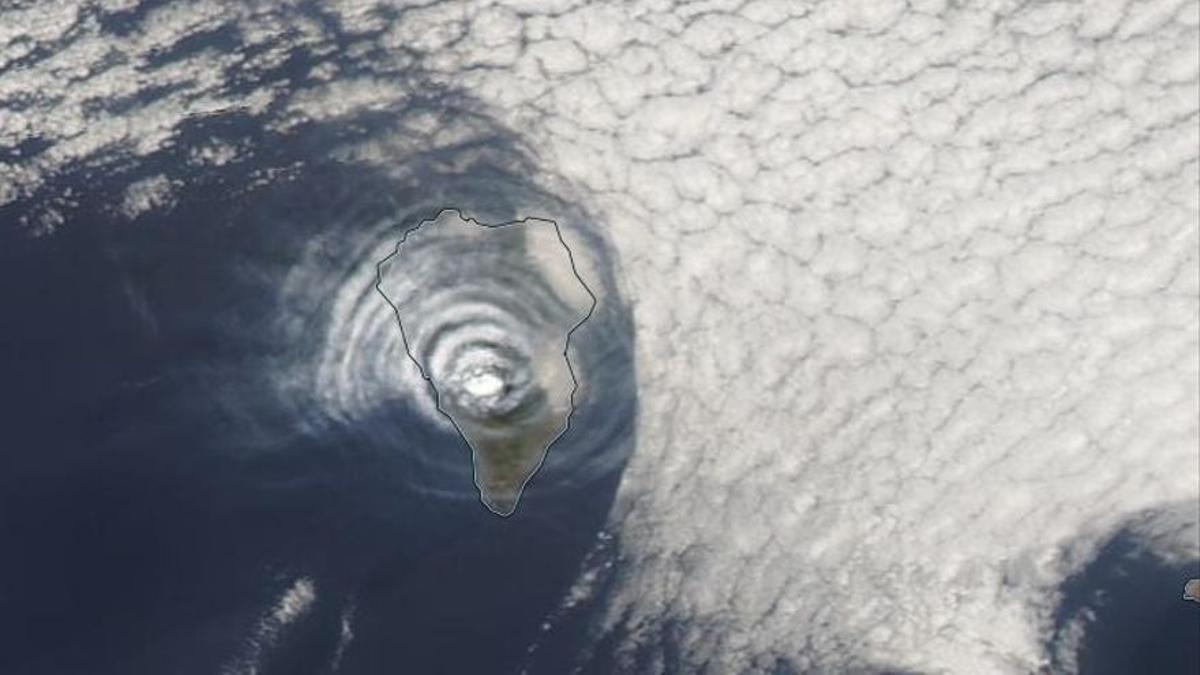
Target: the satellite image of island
(490, 310)
(600, 337)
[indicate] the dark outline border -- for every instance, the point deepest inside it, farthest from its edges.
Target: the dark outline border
(566, 348)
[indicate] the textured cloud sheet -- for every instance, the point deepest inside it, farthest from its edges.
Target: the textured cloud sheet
(916, 299)
(915, 284)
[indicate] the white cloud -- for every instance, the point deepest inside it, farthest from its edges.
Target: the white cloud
(147, 195)
(995, 355)
(293, 605)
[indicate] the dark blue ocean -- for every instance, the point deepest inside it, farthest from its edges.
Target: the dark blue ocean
(172, 464)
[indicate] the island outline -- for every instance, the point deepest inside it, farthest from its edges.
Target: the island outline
(545, 451)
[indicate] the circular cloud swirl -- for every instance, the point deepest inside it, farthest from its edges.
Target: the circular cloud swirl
(495, 340)
(486, 312)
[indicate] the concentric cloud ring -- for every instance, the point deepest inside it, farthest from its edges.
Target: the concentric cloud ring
(486, 313)
(355, 384)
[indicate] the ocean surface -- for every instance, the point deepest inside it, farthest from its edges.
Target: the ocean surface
(213, 462)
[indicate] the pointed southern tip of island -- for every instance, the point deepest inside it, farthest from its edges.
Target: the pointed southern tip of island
(503, 505)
